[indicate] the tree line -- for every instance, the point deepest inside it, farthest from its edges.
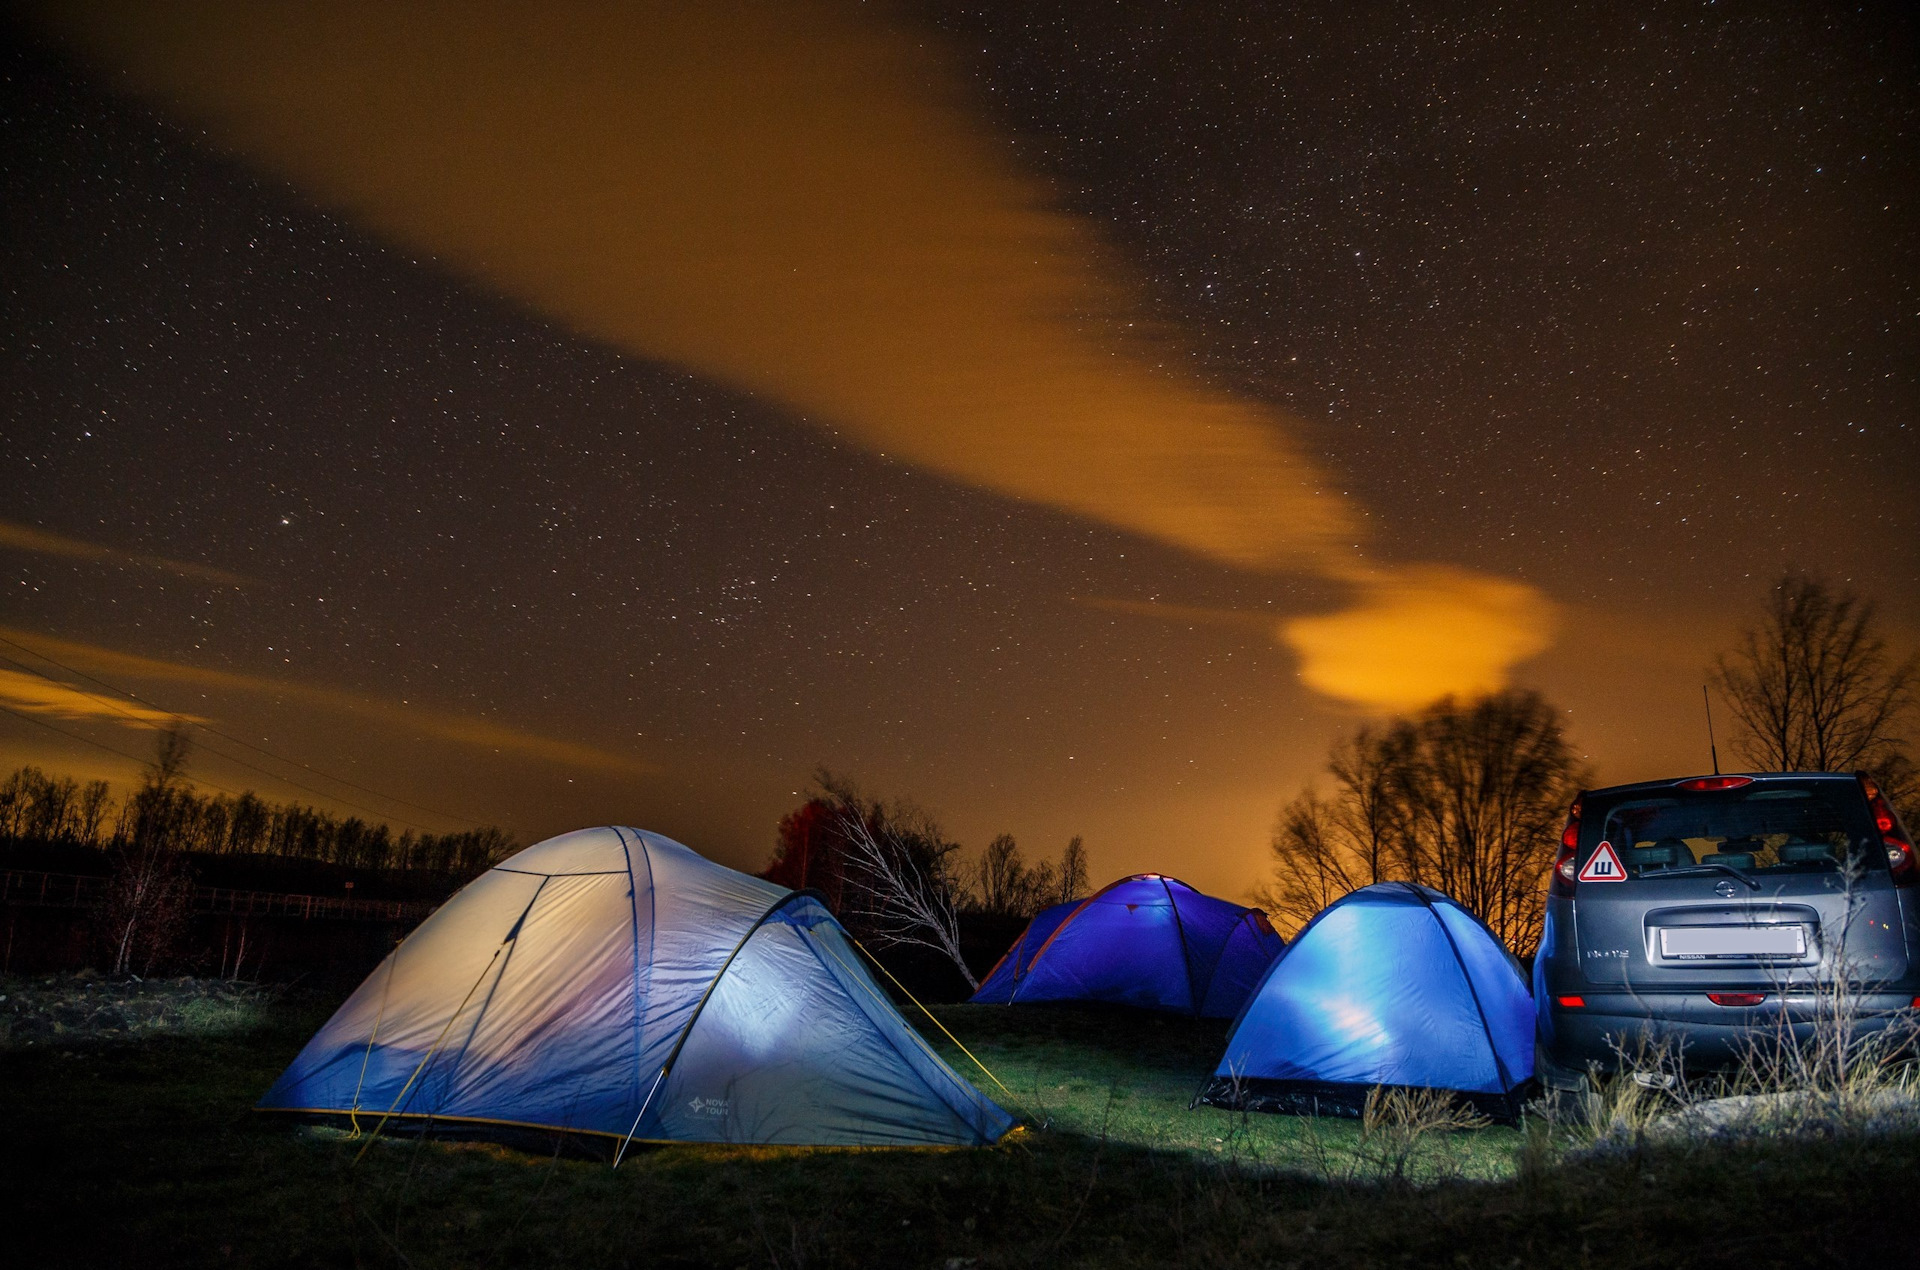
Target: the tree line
(149, 833)
(36, 807)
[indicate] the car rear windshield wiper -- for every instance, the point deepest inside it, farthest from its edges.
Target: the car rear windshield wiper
(1696, 870)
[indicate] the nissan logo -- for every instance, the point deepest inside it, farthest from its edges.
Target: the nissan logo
(1725, 889)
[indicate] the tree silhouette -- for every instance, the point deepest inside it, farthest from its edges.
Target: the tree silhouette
(1814, 687)
(1466, 798)
(150, 891)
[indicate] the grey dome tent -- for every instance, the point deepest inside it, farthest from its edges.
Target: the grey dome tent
(613, 985)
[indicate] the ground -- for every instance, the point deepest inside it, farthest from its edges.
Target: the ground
(139, 1148)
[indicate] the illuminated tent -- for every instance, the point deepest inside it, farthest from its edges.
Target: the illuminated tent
(611, 985)
(1148, 941)
(1393, 985)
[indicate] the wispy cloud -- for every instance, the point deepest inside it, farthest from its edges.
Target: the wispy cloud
(22, 691)
(1188, 614)
(790, 198)
(19, 537)
(399, 717)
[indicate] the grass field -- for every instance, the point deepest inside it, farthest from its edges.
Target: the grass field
(142, 1151)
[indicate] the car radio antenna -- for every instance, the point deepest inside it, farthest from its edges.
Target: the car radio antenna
(1711, 747)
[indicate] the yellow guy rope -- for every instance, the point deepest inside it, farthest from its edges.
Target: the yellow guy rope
(353, 1116)
(936, 1022)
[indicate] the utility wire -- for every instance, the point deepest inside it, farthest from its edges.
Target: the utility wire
(339, 780)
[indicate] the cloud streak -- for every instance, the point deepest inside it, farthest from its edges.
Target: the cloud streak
(459, 729)
(21, 691)
(19, 537)
(789, 199)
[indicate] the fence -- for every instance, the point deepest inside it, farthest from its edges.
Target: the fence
(81, 890)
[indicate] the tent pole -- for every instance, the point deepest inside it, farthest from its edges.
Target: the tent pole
(701, 1004)
(1186, 954)
(401, 1096)
(513, 936)
(635, 1126)
(353, 1116)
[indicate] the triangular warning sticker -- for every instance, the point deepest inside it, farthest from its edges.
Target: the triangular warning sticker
(1603, 866)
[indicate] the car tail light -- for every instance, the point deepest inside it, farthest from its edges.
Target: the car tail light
(1571, 1003)
(1565, 872)
(1736, 998)
(1893, 835)
(1701, 784)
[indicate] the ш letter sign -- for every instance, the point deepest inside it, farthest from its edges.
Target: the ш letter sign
(1604, 866)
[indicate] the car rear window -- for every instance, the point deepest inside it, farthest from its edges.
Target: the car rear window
(1771, 827)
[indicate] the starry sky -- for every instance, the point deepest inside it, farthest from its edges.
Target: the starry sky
(1071, 418)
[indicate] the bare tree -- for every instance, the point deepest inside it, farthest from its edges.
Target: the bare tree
(95, 797)
(1463, 798)
(1073, 871)
(899, 872)
(1487, 792)
(150, 891)
(1324, 848)
(1006, 886)
(1814, 687)
(167, 769)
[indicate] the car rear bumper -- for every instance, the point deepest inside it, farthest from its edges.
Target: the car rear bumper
(1705, 1034)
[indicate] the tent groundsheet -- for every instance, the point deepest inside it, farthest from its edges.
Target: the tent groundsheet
(1148, 941)
(1395, 985)
(614, 985)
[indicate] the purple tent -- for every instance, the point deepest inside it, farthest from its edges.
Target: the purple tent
(1147, 941)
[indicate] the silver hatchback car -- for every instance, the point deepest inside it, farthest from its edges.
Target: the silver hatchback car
(1706, 912)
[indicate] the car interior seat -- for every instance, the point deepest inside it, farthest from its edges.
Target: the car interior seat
(1798, 850)
(1668, 853)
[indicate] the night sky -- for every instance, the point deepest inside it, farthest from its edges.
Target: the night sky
(1071, 417)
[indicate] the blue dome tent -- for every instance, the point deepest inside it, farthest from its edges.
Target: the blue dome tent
(611, 985)
(1147, 941)
(1394, 985)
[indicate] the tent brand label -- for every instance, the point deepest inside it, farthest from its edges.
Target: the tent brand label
(707, 1106)
(1604, 866)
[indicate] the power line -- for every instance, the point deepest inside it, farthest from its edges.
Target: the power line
(338, 780)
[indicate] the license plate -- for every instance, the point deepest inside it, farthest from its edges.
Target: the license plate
(1699, 943)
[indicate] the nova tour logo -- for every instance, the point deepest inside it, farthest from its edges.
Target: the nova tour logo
(708, 1106)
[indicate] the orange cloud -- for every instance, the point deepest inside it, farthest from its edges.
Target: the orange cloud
(35, 695)
(1419, 633)
(460, 729)
(27, 538)
(787, 198)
